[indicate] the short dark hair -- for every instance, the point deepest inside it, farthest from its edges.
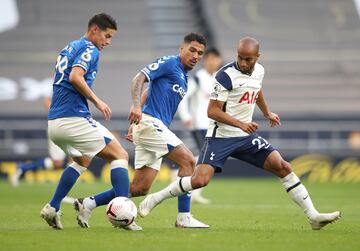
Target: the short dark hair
(103, 21)
(195, 37)
(212, 51)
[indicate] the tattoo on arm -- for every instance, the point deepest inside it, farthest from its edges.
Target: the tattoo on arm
(136, 88)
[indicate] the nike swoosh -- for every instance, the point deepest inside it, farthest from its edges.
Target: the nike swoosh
(304, 198)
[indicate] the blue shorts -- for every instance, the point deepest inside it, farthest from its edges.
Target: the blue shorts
(252, 149)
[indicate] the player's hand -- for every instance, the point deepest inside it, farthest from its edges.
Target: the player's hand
(249, 127)
(129, 135)
(104, 109)
(274, 119)
(135, 114)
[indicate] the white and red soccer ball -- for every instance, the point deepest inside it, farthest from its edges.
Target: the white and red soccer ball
(121, 211)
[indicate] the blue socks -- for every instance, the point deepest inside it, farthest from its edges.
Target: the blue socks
(66, 182)
(120, 181)
(184, 203)
(105, 197)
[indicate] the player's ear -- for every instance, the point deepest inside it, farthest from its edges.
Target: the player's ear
(94, 29)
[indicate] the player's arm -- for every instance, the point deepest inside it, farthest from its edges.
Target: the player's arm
(136, 87)
(273, 118)
(215, 112)
(78, 81)
(129, 135)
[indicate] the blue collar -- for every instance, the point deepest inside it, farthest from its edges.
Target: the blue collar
(181, 65)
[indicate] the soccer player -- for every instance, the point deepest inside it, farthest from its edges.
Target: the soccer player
(70, 124)
(151, 135)
(193, 108)
(236, 90)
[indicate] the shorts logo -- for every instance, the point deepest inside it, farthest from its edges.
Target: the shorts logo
(212, 155)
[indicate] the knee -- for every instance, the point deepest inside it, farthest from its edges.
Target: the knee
(124, 155)
(199, 181)
(120, 154)
(138, 190)
(283, 168)
(187, 166)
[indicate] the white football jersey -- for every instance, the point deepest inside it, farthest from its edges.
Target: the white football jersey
(195, 103)
(239, 92)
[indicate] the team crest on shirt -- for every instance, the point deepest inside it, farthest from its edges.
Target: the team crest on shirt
(217, 87)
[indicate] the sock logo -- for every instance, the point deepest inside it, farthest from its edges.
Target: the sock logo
(212, 155)
(305, 197)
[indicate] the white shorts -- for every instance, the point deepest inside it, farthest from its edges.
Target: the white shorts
(55, 152)
(152, 141)
(78, 136)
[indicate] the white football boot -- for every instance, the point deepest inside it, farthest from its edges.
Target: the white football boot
(321, 220)
(49, 214)
(147, 205)
(82, 213)
(186, 220)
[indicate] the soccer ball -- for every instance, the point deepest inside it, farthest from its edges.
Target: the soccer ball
(121, 211)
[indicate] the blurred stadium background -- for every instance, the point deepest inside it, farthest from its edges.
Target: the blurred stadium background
(310, 50)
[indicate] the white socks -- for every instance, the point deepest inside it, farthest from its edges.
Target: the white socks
(78, 168)
(176, 188)
(89, 202)
(298, 193)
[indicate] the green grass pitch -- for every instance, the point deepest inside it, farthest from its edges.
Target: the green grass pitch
(245, 214)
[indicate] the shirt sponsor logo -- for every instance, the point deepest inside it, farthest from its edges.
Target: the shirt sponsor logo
(178, 89)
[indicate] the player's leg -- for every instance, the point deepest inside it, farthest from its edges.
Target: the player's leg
(185, 160)
(118, 158)
(80, 138)
(143, 178)
(196, 195)
(200, 178)
(116, 155)
(207, 166)
(58, 161)
(51, 211)
(297, 191)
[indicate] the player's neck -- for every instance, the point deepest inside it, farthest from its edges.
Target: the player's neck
(246, 73)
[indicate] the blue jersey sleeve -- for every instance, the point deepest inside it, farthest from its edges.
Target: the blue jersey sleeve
(86, 57)
(159, 68)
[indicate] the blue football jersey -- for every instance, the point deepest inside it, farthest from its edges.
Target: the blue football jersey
(167, 87)
(66, 100)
